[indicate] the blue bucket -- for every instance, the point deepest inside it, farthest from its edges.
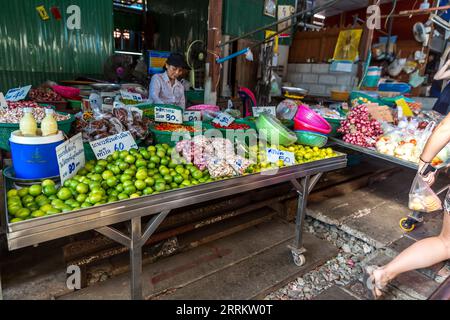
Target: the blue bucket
(35, 157)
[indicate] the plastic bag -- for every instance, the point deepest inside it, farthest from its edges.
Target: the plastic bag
(422, 198)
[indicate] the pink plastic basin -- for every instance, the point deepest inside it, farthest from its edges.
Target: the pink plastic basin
(308, 120)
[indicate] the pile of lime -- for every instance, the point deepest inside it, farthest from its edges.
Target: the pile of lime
(303, 154)
(123, 175)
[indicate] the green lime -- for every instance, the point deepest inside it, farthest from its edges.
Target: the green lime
(141, 175)
(178, 179)
(14, 199)
(150, 182)
(147, 191)
(50, 190)
(48, 183)
(82, 188)
(122, 196)
(128, 183)
(186, 183)
(107, 174)
(164, 171)
(173, 185)
(125, 177)
(12, 193)
(129, 190)
(123, 166)
(157, 176)
(15, 220)
(155, 159)
(32, 206)
(168, 179)
(38, 214)
(165, 161)
(27, 199)
(160, 187)
(23, 192)
(116, 155)
(145, 154)
(94, 185)
(130, 172)
(95, 197)
(113, 199)
(58, 204)
(197, 174)
(134, 196)
(66, 208)
(81, 198)
(45, 208)
(102, 163)
(112, 181)
(73, 184)
(64, 194)
(13, 209)
(98, 190)
(35, 190)
(141, 163)
(130, 159)
(151, 165)
(86, 205)
(23, 213)
(67, 183)
(90, 166)
(140, 184)
(53, 211)
(96, 177)
(83, 172)
(119, 188)
(115, 169)
(109, 159)
(161, 153)
(114, 193)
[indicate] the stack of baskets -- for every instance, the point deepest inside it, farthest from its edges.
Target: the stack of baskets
(311, 129)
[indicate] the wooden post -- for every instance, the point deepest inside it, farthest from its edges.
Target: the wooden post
(366, 45)
(214, 38)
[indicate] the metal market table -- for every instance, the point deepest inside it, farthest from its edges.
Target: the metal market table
(32, 232)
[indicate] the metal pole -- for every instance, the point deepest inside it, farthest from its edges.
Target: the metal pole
(312, 11)
(301, 212)
(136, 259)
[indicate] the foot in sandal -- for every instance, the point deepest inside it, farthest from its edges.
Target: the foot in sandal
(375, 281)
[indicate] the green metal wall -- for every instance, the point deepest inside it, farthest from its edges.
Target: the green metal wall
(178, 23)
(33, 50)
(241, 16)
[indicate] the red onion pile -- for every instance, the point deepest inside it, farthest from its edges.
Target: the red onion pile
(360, 129)
(22, 104)
(44, 94)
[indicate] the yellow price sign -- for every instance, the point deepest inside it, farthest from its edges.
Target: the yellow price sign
(42, 13)
(270, 33)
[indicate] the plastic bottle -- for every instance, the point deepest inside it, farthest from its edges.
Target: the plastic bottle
(28, 125)
(49, 126)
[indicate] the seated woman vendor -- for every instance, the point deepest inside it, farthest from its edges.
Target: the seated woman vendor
(165, 87)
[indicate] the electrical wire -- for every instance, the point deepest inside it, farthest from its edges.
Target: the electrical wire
(390, 14)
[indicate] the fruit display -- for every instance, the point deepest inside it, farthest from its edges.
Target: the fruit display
(175, 127)
(123, 175)
(14, 114)
(215, 154)
(22, 104)
(360, 129)
(44, 95)
(233, 126)
(107, 124)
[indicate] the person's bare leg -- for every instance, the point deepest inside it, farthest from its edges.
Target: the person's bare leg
(422, 254)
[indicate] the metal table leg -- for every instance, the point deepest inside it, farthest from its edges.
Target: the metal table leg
(303, 189)
(135, 242)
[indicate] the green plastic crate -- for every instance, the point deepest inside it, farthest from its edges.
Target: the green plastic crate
(335, 125)
(7, 128)
(149, 109)
(161, 137)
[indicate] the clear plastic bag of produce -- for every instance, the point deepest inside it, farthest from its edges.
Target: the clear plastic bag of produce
(422, 198)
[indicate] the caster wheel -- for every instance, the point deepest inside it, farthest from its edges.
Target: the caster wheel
(299, 259)
(406, 225)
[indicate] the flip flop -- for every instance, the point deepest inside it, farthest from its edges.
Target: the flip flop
(370, 283)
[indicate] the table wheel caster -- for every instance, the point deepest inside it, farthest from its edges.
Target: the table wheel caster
(299, 259)
(407, 224)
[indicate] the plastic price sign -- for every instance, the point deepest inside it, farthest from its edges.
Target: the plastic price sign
(131, 96)
(168, 115)
(191, 116)
(17, 94)
(3, 102)
(275, 155)
(70, 157)
(120, 142)
(223, 120)
(257, 111)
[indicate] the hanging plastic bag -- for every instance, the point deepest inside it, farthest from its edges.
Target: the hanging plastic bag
(422, 198)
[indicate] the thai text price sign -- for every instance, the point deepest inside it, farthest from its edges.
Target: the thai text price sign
(168, 115)
(17, 94)
(120, 142)
(257, 111)
(70, 157)
(223, 120)
(275, 155)
(131, 96)
(190, 116)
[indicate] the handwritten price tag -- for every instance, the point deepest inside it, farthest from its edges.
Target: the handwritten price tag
(104, 147)
(70, 157)
(168, 115)
(275, 155)
(257, 111)
(3, 102)
(223, 119)
(190, 116)
(131, 96)
(17, 94)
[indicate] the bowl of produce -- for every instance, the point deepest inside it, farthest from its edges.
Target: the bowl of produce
(275, 131)
(307, 119)
(208, 111)
(166, 133)
(312, 139)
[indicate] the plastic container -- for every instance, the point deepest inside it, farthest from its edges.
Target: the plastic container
(308, 120)
(48, 125)
(287, 110)
(312, 139)
(339, 95)
(35, 157)
(28, 125)
(275, 131)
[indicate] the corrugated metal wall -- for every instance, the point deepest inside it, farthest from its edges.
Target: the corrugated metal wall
(33, 50)
(241, 16)
(178, 23)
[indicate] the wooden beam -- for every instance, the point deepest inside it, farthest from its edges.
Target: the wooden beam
(214, 38)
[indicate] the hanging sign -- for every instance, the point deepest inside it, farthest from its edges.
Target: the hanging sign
(42, 13)
(191, 116)
(405, 107)
(17, 94)
(223, 120)
(130, 96)
(257, 111)
(74, 20)
(120, 142)
(70, 157)
(168, 115)
(275, 155)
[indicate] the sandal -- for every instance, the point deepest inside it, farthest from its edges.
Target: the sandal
(371, 284)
